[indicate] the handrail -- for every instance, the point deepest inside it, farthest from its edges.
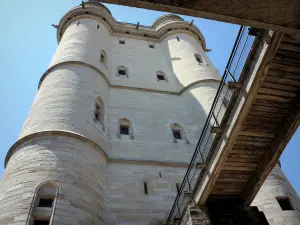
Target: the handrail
(234, 67)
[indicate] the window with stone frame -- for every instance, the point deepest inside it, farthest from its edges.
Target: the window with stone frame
(178, 133)
(125, 128)
(103, 58)
(99, 111)
(199, 58)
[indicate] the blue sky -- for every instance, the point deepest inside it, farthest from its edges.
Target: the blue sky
(27, 44)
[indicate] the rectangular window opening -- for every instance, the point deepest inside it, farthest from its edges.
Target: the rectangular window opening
(46, 202)
(41, 222)
(124, 130)
(122, 72)
(177, 134)
(145, 187)
(159, 174)
(102, 58)
(151, 46)
(122, 42)
(177, 187)
(285, 203)
(160, 77)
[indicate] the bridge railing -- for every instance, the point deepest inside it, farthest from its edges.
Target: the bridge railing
(222, 100)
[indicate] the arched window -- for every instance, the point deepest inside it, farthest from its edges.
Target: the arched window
(178, 133)
(99, 111)
(122, 71)
(199, 58)
(125, 128)
(45, 197)
(103, 58)
(161, 76)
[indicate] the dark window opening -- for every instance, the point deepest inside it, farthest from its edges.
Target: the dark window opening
(177, 187)
(159, 174)
(169, 29)
(102, 58)
(160, 77)
(98, 26)
(124, 130)
(41, 222)
(104, 19)
(97, 112)
(145, 35)
(177, 134)
(78, 23)
(122, 72)
(151, 46)
(46, 202)
(177, 38)
(285, 204)
(86, 12)
(145, 187)
(127, 32)
(122, 42)
(198, 58)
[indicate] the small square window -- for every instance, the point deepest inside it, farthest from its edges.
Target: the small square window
(46, 202)
(160, 77)
(124, 130)
(122, 42)
(41, 222)
(285, 203)
(177, 134)
(122, 72)
(151, 46)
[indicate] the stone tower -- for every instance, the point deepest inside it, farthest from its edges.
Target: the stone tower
(113, 126)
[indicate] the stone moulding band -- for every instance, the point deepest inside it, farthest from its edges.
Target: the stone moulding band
(63, 133)
(49, 70)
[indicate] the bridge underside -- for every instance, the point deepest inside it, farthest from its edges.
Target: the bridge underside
(266, 120)
(268, 14)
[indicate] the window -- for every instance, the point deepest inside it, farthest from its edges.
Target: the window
(199, 58)
(46, 202)
(41, 222)
(177, 187)
(177, 38)
(285, 203)
(178, 133)
(160, 76)
(99, 111)
(122, 42)
(145, 187)
(125, 128)
(122, 71)
(103, 57)
(151, 46)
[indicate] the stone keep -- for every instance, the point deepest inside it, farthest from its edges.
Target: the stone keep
(98, 145)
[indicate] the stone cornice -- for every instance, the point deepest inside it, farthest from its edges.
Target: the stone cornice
(49, 70)
(52, 133)
(161, 28)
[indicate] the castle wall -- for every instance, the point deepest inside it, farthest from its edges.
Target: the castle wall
(276, 186)
(77, 168)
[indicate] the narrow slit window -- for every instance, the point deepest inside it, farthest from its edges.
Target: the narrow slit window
(97, 111)
(199, 58)
(98, 26)
(285, 203)
(102, 58)
(145, 187)
(177, 187)
(121, 42)
(78, 23)
(177, 134)
(151, 46)
(124, 129)
(41, 222)
(177, 38)
(159, 174)
(46, 202)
